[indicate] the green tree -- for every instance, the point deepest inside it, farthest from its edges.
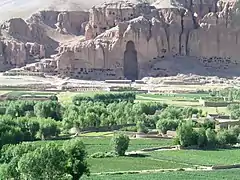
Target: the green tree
(226, 137)
(48, 162)
(10, 156)
(10, 135)
(29, 127)
(201, 138)
(163, 125)
(120, 143)
(48, 109)
(211, 137)
(186, 135)
(48, 128)
(76, 158)
(208, 124)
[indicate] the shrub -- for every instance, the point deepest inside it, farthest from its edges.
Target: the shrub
(98, 155)
(141, 128)
(201, 138)
(235, 130)
(103, 155)
(110, 154)
(129, 128)
(163, 125)
(211, 138)
(208, 124)
(151, 121)
(120, 143)
(176, 140)
(225, 137)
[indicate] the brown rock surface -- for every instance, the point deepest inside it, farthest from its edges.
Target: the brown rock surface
(126, 40)
(38, 37)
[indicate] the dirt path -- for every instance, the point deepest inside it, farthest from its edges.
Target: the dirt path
(155, 171)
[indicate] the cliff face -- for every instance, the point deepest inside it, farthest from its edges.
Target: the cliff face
(38, 37)
(122, 36)
(125, 40)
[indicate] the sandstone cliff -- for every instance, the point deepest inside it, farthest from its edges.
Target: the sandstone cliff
(38, 37)
(126, 40)
(131, 40)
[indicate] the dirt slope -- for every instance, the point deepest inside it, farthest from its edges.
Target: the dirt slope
(24, 8)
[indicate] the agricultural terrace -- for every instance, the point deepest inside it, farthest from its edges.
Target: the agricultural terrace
(119, 135)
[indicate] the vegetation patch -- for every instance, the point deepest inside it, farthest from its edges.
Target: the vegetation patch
(179, 175)
(200, 157)
(126, 163)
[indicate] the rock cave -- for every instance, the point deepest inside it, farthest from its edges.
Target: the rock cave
(130, 62)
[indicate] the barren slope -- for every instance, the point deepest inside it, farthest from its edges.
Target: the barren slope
(24, 8)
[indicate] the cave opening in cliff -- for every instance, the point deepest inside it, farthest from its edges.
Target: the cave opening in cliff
(130, 62)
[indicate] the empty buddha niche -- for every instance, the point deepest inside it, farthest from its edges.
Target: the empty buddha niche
(130, 62)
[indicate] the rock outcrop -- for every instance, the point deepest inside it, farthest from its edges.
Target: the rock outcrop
(23, 42)
(126, 40)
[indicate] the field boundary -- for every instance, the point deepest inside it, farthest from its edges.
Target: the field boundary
(202, 168)
(233, 166)
(154, 171)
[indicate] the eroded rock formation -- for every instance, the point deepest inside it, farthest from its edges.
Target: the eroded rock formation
(23, 42)
(126, 40)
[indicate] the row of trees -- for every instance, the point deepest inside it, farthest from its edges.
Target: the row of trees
(54, 160)
(187, 135)
(15, 130)
(50, 161)
(96, 114)
(28, 120)
(43, 109)
(235, 110)
(229, 94)
(106, 98)
(170, 117)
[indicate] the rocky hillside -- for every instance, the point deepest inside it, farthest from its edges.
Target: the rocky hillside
(126, 40)
(25, 8)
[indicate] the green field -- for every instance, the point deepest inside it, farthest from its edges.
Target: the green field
(206, 175)
(182, 100)
(102, 144)
(154, 160)
(174, 159)
(201, 157)
(21, 93)
(177, 96)
(129, 164)
(66, 97)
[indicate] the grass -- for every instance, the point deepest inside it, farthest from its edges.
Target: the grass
(94, 134)
(213, 110)
(66, 97)
(129, 164)
(200, 157)
(197, 175)
(176, 96)
(21, 93)
(102, 144)
(182, 100)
